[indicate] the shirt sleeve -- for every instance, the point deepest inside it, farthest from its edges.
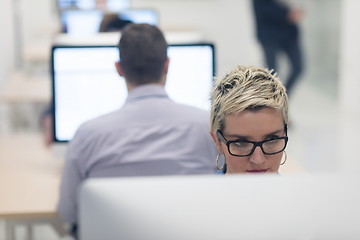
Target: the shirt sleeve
(70, 184)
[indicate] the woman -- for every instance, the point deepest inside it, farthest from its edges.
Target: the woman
(249, 116)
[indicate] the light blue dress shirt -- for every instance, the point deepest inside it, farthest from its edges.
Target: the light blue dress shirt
(149, 135)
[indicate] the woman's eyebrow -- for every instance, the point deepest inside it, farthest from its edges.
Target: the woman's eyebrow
(245, 137)
(274, 133)
(238, 137)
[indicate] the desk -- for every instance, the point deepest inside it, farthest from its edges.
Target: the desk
(24, 88)
(29, 182)
(112, 38)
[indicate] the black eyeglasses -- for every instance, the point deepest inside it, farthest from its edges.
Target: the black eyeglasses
(243, 148)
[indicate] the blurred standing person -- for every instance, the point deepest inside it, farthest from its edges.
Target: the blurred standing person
(278, 31)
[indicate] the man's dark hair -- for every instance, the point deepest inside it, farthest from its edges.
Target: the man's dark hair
(143, 51)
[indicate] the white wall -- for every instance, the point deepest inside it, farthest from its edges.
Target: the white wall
(349, 58)
(6, 55)
(38, 18)
(6, 46)
(350, 85)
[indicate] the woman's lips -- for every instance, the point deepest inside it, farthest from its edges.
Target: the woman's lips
(257, 171)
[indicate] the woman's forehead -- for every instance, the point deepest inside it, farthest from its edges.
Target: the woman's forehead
(259, 122)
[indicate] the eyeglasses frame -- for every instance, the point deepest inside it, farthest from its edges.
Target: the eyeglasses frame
(255, 144)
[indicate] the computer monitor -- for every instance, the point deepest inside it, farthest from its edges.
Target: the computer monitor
(111, 5)
(87, 22)
(81, 22)
(85, 83)
(117, 5)
(266, 207)
(140, 15)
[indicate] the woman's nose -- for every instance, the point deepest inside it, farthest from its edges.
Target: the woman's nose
(258, 157)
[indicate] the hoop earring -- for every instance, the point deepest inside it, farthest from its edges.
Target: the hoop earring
(285, 159)
(217, 162)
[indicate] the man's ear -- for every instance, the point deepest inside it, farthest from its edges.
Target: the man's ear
(217, 142)
(119, 69)
(166, 65)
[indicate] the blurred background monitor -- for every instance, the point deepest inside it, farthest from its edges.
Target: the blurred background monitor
(81, 22)
(89, 22)
(138, 15)
(109, 5)
(85, 83)
(266, 207)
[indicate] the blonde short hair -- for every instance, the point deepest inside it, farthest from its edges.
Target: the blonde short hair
(246, 88)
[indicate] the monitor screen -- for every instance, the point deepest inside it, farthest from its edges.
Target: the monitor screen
(85, 83)
(266, 207)
(110, 5)
(145, 15)
(81, 22)
(87, 22)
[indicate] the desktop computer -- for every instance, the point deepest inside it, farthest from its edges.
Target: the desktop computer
(261, 207)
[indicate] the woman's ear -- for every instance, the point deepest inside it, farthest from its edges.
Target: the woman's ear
(217, 142)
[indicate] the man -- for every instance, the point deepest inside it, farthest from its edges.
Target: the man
(149, 135)
(277, 31)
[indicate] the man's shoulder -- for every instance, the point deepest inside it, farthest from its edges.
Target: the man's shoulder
(191, 108)
(129, 117)
(97, 124)
(191, 111)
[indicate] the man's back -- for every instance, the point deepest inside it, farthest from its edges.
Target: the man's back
(150, 135)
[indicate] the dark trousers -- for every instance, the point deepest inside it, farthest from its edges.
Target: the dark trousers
(293, 52)
(74, 231)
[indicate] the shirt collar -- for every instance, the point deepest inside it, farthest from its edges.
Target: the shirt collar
(147, 90)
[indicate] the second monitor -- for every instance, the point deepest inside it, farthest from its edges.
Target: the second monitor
(85, 83)
(91, 21)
